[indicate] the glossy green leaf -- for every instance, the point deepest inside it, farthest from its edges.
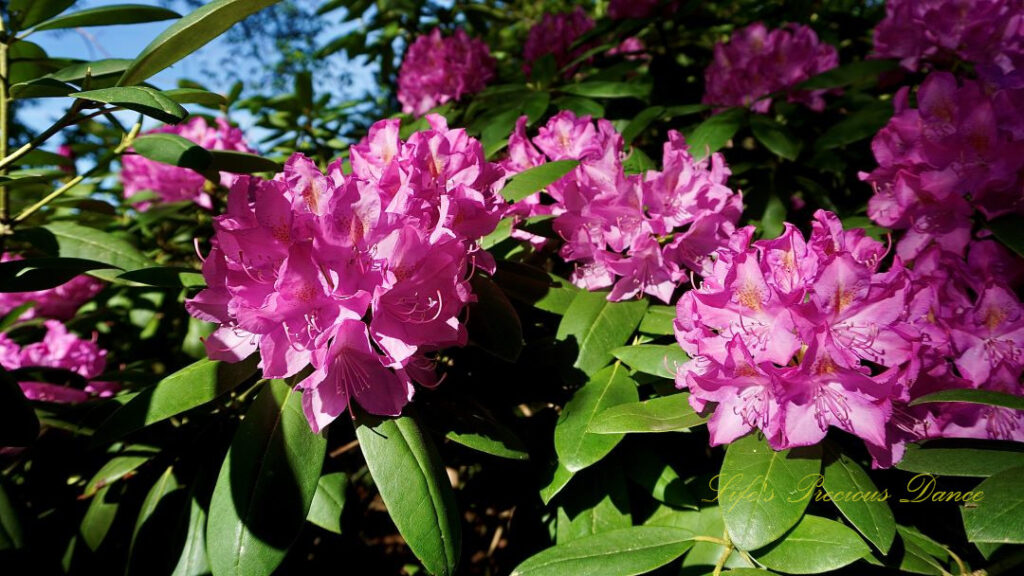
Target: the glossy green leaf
(860, 501)
(656, 359)
(99, 517)
(649, 470)
(598, 503)
(609, 89)
(193, 560)
(775, 137)
(639, 123)
(715, 132)
(96, 69)
(415, 488)
(165, 276)
(861, 124)
(659, 320)
(33, 274)
(19, 425)
(120, 466)
(708, 522)
(576, 447)
(493, 324)
(329, 502)
(242, 162)
(41, 88)
(667, 414)
(774, 218)
(558, 296)
(972, 396)
(109, 15)
(763, 493)
(483, 434)
(196, 96)
(192, 386)
(156, 526)
(77, 241)
(1010, 231)
(598, 326)
(813, 546)
(173, 150)
(971, 462)
(999, 515)
(625, 552)
(535, 179)
(11, 533)
(189, 34)
(848, 74)
(141, 99)
(28, 13)
(265, 486)
(560, 477)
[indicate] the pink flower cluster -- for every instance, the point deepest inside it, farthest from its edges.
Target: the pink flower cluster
(556, 34)
(961, 149)
(636, 233)
(174, 184)
(60, 302)
(757, 62)
(624, 9)
(439, 69)
(63, 350)
(989, 33)
(791, 336)
(361, 275)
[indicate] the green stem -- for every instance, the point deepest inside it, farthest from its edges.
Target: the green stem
(64, 122)
(4, 135)
(722, 560)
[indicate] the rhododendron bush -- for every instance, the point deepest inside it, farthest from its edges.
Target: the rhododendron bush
(600, 288)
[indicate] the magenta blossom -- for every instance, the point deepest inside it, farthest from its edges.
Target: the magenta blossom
(757, 62)
(556, 34)
(633, 233)
(175, 184)
(438, 69)
(63, 350)
(60, 302)
(361, 275)
(624, 9)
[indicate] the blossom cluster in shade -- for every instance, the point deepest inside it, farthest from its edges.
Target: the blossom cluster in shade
(60, 302)
(66, 351)
(362, 275)
(988, 33)
(960, 151)
(635, 233)
(757, 62)
(438, 69)
(174, 184)
(555, 34)
(624, 9)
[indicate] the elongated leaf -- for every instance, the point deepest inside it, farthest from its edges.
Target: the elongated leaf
(482, 433)
(193, 560)
(576, 447)
(1010, 231)
(536, 179)
(598, 327)
(609, 89)
(97, 69)
(763, 493)
(415, 488)
(652, 358)
(329, 501)
(625, 552)
(196, 96)
(668, 414)
(972, 396)
(118, 467)
(493, 324)
(265, 486)
(174, 150)
(165, 276)
(242, 162)
(77, 241)
(560, 477)
(649, 470)
(860, 501)
(33, 274)
(996, 510)
(971, 462)
(862, 124)
(775, 137)
(709, 522)
(154, 541)
(192, 386)
(188, 35)
(28, 13)
(598, 503)
(19, 425)
(140, 99)
(640, 123)
(99, 517)
(659, 320)
(814, 545)
(848, 74)
(715, 132)
(109, 15)
(41, 88)
(11, 534)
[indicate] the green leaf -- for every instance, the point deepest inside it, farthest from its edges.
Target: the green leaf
(329, 502)
(242, 162)
(33, 274)
(774, 218)
(814, 545)
(668, 414)
(192, 386)
(188, 35)
(484, 434)
(639, 123)
(141, 99)
(165, 277)
(970, 462)
(558, 297)
(159, 518)
(193, 560)
(649, 470)
(972, 396)
(775, 137)
(763, 493)
(863, 123)
(97, 69)
(576, 447)
(535, 179)
(715, 132)
(99, 517)
(19, 425)
(173, 150)
(999, 515)
(857, 497)
(1010, 231)
(415, 488)
(28, 13)
(493, 324)
(625, 552)
(109, 15)
(196, 96)
(609, 89)
(598, 503)
(120, 466)
(265, 486)
(560, 476)
(685, 110)
(598, 327)
(11, 534)
(659, 320)
(848, 74)
(41, 88)
(656, 359)
(708, 522)
(77, 241)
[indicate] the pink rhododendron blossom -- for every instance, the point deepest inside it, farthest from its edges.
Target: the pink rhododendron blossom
(757, 62)
(957, 152)
(989, 33)
(362, 275)
(438, 69)
(632, 233)
(623, 9)
(60, 302)
(66, 351)
(174, 184)
(555, 34)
